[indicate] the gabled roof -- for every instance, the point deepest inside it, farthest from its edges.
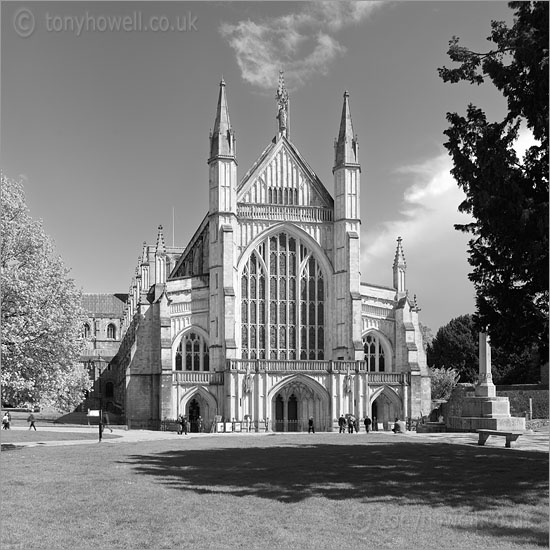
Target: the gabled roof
(104, 304)
(268, 156)
(192, 242)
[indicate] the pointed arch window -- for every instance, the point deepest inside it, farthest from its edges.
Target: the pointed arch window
(375, 356)
(282, 302)
(192, 353)
(87, 330)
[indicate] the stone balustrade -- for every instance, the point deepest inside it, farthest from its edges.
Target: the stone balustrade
(284, 212)
(275, 365)
(389, 378)
(193, 377)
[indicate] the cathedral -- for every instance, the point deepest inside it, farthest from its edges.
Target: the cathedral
(262, 321)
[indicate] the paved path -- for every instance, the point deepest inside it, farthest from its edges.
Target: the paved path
(530, 441)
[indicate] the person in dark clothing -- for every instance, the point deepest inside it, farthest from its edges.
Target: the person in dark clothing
(342, 423)
(182, 428)
(31, 420)
(311, 426)
(368, 422)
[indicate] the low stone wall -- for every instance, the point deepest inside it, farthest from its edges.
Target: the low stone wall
(519, 399)
(518, 396)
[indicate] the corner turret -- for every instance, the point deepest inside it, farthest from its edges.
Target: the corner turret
(222, 137)
(399, 270)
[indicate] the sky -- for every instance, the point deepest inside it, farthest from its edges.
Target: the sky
(109, 128)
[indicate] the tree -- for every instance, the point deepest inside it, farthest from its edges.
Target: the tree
(506, 195)
(40, 312)
(427, 335)
(455, 346)
(443, 382)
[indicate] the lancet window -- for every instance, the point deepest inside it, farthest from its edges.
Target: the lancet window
(282, 302)
(374, 353)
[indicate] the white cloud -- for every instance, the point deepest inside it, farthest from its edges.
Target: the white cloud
(427, 214)
(436, 253)
(301, 44)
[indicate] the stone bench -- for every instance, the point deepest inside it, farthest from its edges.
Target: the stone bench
(510, 436)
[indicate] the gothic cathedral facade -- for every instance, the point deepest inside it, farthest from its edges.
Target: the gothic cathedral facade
(262, 318)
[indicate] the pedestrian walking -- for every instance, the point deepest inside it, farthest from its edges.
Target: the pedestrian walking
(182, 425)
(6, 421)
(311, 426)
(31, 420)
(106, 421)
(368, 422)
(342, 423)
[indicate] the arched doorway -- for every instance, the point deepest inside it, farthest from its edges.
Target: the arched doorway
(279, 414)
(200, 408)
(295, 401)
(292, 413)
(374, 416)
(194, 415)
(386, 407)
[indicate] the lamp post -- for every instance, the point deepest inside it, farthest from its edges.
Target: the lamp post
(100, 360)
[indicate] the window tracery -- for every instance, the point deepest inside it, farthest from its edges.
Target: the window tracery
(282, 302)
(192, 353)
(374, 353)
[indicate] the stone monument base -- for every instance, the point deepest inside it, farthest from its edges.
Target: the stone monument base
(485, 411)
(473, 423)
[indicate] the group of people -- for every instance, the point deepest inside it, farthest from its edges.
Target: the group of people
(350, 424)
(6, 421)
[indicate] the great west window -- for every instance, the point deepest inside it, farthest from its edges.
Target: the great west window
(282, 302)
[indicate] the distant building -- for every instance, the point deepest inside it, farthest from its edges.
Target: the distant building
(262, 317)
(102, 332)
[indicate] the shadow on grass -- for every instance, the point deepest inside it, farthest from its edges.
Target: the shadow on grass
(454, 476)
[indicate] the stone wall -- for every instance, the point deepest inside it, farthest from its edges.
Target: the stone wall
(518, 396)
(519, 399)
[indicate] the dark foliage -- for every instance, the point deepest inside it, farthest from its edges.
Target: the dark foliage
(506, 195)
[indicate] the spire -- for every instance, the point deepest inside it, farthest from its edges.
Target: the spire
(222, 138)
(282, 106)
(161, 246)
(399, 260)
(399, 268)
(346, 147)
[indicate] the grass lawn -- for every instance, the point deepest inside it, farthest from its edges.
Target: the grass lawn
(276, 491)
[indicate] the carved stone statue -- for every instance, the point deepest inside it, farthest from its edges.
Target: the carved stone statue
(348, 383)
(282, 102)
(247, 383)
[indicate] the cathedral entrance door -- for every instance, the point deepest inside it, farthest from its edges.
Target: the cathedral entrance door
(292, 414)
(194, 415)
(279, 414)
(374, 416)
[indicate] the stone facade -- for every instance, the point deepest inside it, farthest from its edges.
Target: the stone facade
(263, 317)
(102, 334)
